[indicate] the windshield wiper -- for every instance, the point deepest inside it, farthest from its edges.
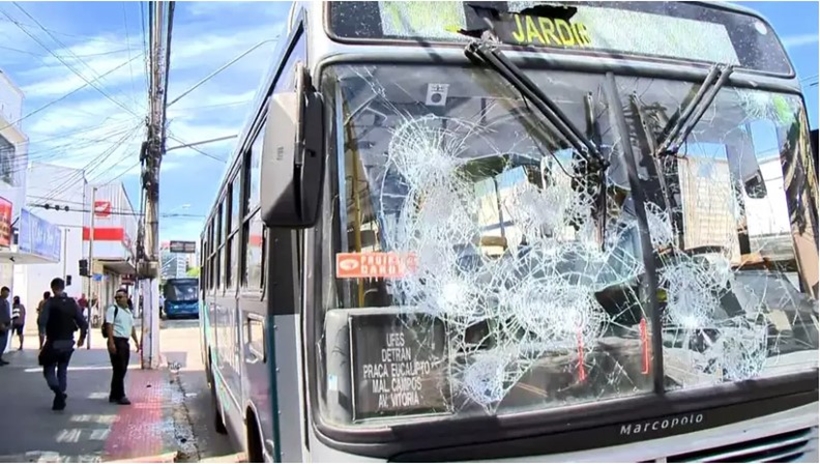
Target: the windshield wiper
(715, 80)
(486, 53)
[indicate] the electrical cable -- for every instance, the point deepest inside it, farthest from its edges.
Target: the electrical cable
(67, 49)
(21, 163)
(52, 102)
(83, 173)
(118, 213)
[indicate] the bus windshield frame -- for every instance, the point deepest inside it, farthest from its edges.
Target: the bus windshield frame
(333, 295)
(726, 33)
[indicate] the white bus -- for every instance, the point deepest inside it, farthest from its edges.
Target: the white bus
(360, 304)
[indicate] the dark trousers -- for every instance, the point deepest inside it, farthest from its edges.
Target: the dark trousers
(119, 365)
(58, 361)
(4, 340)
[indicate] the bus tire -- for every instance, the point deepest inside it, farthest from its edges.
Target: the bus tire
(254, 440)
(219, 422)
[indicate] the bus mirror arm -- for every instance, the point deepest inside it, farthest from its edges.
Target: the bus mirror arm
(293, 160)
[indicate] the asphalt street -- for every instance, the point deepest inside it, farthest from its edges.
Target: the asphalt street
(171, 415)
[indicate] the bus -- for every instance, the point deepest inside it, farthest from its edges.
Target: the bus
(181, 298)
(359, 302)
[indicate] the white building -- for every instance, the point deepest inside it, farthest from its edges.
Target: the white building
(25, 238)
(51, 191)
(176, 265)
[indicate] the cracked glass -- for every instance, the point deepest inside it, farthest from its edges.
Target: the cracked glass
(533, 263)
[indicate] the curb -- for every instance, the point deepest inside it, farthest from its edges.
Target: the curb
(238, 457)
(167, 457)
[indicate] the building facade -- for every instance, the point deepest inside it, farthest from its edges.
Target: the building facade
(64, 197)
(26, 239)
(174, 265)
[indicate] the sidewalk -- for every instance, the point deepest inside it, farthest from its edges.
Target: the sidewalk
(90, 429)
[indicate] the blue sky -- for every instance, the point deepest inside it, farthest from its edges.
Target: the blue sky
(95, 37)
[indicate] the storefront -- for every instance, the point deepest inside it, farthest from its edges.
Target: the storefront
(114, 256)
(38, 242)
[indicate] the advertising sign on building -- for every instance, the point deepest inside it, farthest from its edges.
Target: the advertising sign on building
(5, 222)
(39, 237)
(102, 208)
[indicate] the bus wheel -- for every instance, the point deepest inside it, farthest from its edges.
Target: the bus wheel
(254, 445)
(219, 423)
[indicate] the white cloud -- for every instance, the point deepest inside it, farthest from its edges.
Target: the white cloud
(88, 130)
(793, 41)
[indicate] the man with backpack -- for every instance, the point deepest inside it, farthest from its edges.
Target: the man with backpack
(118, 326)
(59, 319)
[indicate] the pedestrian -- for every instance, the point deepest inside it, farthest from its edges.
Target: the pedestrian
(59, 319)
(18, 319)
(119, 325)
(5, 322)
(40, 334)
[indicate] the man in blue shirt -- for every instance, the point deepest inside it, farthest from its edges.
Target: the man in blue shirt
(119, 325)
(59, 319)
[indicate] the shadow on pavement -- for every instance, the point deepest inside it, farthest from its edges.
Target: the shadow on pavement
(90, 429)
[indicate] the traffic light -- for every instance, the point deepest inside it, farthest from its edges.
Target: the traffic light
(84, 268)
(67, 280)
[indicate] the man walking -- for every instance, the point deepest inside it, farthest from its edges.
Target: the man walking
(5, 322)
(119, 325)
(59, 319)
(18, 319)
(40, 334)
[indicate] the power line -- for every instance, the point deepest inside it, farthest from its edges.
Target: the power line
(49, 206)
(87, 83)
(66, 48)
(67, 65)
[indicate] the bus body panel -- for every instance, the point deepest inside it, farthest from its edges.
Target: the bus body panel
(749, 439)
(269, 379)
(181, 308)
(288, 388)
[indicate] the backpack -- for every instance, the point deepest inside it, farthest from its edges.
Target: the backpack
(66, 308)
(102, 329)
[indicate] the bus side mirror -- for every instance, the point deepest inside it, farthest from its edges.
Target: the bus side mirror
(293, 161)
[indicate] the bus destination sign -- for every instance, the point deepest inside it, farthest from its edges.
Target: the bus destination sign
(399, 365)
(518, 29)
(179, 246)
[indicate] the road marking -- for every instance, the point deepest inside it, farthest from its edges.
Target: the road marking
(80, 368)
(69, 436)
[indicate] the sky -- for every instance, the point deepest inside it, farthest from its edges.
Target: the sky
(94, 38)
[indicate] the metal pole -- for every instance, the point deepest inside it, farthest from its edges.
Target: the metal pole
(91, 234)
(65, 250)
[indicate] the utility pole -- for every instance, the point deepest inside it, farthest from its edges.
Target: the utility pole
(91, 233)
(151, 158)
(65, 259)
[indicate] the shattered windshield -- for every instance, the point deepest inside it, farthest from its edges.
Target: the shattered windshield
(511, 276)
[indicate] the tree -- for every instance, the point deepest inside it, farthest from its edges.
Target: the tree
(193, 272)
